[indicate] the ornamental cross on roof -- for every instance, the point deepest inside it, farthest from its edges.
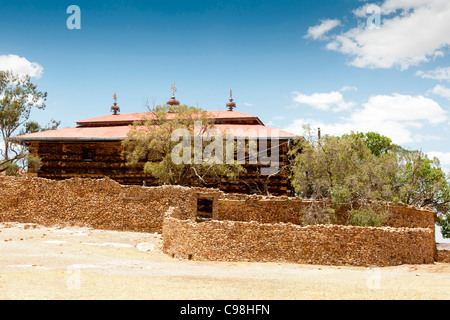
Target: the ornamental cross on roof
(115, 108)
(231, 105)
(174, 89)
(172, 101)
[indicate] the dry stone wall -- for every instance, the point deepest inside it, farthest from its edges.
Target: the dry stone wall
(243, 227)
(443, 253)
(290, 210)
(315, 244)
(96, 203)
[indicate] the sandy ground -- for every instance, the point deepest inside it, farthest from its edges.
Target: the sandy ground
(39, 262)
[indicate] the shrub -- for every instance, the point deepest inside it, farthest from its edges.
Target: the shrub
(324, 216)
(366, 217)
(34, 163)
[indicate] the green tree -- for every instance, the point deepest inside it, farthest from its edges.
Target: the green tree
(156, 141)
(18, 97)
(340, 169)
(357, 168)
(376, 142)
(33, 126)
(421, 182)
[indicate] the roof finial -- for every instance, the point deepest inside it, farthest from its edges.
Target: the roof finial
(231, 105)
(173, 101)
(115, 108)
(174, 89)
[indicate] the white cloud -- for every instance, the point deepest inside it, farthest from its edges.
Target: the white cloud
(400, 108)
(395, 130)
(411, 32)
(248, 104)
(323, 101)
(390, 6)
(319, 31)
(348, 88)
(444, 157)
(441, 91)
(20, 66)
(396, 116)
(362, 12)
(436, 74)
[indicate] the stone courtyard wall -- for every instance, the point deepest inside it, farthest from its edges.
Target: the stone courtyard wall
(265, 209)
(96, 203)
(281, 242)
(243, 227)
(443, 253)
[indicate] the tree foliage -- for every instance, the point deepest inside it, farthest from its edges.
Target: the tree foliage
(155, 141)
(18, 97)
(33, 126)
(356, 168)
(377, 143)
(341, 169)
(366, 217)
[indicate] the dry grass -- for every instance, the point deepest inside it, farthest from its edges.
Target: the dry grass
(39, 262)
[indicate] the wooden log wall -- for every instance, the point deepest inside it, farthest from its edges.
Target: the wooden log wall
(97, 159)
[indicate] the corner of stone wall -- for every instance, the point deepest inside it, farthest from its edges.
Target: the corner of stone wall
(443, 253)
(173, 212)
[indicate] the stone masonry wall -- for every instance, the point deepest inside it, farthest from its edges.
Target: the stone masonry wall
(290, 210)
(103, 203)
(315, 244)
(443, 253)
(243, 227)
(96, 203)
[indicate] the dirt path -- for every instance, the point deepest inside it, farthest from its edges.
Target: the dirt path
(38, 262)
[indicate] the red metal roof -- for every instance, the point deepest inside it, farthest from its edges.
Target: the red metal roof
(79, 133)
(129, 118)
(113, 118)
(115, 127)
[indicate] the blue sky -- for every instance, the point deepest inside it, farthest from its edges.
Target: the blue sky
(288, 62)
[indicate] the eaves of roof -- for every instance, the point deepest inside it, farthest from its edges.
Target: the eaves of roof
(117, 133)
